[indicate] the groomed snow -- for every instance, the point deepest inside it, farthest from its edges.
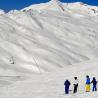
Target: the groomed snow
(51, 85)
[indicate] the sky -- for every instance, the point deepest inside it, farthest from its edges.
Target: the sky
(8, 5)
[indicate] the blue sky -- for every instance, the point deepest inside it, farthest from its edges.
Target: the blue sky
(19, 4)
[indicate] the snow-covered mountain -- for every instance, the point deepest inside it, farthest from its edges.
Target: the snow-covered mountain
(72, 8)
(47, 36)
(58, 40)
(51, 5)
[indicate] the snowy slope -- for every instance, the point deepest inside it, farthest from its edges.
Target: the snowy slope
(51, 85)
(55, 39)
(40, 41)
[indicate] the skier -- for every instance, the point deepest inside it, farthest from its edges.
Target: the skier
(87, 84)
(67, 85)
(94, 84)
(75, 84)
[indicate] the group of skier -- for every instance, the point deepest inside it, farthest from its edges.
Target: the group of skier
(75, 85)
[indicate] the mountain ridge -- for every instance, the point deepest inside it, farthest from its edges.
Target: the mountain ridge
(56, 5)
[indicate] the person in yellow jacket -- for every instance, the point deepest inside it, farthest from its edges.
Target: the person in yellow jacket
(87, 84)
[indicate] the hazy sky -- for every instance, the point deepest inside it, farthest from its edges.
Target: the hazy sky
(19, 4)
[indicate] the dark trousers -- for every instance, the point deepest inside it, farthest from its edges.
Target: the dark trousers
(66, 89)
(94, 88)
(75, 88)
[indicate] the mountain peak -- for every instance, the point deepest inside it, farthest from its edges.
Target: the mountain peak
(56, 5)
(51, 5)
(53, 1)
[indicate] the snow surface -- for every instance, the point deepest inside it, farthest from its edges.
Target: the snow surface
(44, 44)
(2, 12)
(51, 85)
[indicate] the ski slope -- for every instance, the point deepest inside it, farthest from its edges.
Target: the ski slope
(42, 39)
(43, 45)
(51, 85)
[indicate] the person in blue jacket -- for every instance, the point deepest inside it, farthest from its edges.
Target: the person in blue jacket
(94, 82)
(87, 84)
(67, 85)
